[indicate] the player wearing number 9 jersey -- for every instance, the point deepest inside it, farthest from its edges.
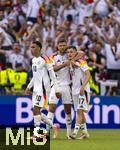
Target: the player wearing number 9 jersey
(40, 68)
(80, 91)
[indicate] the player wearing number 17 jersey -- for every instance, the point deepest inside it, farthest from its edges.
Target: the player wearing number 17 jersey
(80, 91)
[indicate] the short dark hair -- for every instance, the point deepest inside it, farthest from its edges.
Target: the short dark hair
(38, 44)
(73, 47)
(61, 40)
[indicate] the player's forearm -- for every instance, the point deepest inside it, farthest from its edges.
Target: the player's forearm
(86, 78)
(58, 67)
(30, 85)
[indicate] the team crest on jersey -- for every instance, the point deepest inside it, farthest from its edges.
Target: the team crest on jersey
(58, 61)
(39, 63)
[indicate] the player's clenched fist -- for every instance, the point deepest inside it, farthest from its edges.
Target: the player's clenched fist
(58, 94)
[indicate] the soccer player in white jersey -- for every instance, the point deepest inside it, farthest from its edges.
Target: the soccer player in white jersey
(40, 68)
(80, 91)
(61, 67)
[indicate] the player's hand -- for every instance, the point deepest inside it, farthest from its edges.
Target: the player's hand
(58, 94)
(67, 63)
(73, 64)
(27, 91)
(82, 90)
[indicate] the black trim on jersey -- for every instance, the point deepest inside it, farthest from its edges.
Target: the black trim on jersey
(86, 95)
(81, 81)
(52, 85)
(50, 78)
(44, 91)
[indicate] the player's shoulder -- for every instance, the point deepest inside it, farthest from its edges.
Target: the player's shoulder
(53, 57)
(81, 62)
(46, 58)
(33, 59)
(50, 58)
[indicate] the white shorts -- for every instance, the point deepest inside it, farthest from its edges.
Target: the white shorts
(65, 92)
(38, 100)
(81, 102)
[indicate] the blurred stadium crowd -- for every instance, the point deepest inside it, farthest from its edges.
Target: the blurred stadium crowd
(91, 26)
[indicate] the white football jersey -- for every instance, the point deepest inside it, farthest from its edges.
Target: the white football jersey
(63, 75)
(78, 75)
(40, 75)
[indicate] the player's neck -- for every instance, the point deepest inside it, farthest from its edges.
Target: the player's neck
(37, 55)
(61, 53)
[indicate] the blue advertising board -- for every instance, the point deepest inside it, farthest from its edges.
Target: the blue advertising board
(104, 112)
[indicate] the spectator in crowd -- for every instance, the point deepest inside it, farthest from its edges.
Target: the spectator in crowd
(102, 7)
(5, 38)
(14, 56)
(18, 79)
(5, 85)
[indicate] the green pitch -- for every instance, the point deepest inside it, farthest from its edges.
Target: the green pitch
(99, 140)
